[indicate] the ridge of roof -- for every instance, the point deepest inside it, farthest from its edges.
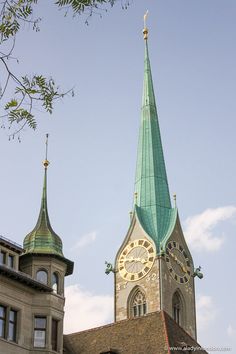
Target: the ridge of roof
(169, 322)
(161, 333)
(11, 244)
(166, 333)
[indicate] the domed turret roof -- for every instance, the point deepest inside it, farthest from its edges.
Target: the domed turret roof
(43, 239)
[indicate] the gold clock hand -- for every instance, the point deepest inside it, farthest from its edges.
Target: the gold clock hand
(144, 261)
(183, 267)
(178, 262)
(133, 259)
(141, 260)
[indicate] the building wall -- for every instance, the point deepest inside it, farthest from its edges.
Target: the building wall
(30, 302)
(149, 283)
(30, 265)
(169, 286)
(158, 285)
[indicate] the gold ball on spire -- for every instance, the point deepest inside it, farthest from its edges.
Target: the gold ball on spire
(145, 33)
(46, 163)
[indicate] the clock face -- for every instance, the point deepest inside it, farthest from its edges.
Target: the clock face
(136, 260)
(178, 262)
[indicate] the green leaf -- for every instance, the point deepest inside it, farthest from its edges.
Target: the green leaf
(11, 104)
(22, 115)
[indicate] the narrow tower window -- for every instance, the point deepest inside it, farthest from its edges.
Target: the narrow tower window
(138, 304)
(54, 335)
(177, 308)
(55, 282)
(42, 276)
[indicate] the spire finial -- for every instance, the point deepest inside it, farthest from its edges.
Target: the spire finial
(46, 162)
(145, 30)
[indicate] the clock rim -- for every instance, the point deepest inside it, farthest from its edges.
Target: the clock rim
(173, 273)
(150, 254)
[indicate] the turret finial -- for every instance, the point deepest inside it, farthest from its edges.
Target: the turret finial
(131, 215)
(145, 30)
(175, 197)
(46, 162)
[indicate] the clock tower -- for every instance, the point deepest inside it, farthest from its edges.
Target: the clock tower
(154, 268)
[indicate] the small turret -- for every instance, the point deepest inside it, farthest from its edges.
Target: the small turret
(43, 261)
(43, 240)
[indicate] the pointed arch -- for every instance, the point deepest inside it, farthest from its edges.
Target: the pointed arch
(178, 308)
(137, 302)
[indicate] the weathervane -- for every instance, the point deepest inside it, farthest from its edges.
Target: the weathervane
(145, 18)
(145, 30)
(46, 162)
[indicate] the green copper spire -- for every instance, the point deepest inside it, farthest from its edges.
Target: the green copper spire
(152, 197)
(43, 239)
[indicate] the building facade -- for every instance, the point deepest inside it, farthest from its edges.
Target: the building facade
(32, 289)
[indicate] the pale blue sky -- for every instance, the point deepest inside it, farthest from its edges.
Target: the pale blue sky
(93, 138)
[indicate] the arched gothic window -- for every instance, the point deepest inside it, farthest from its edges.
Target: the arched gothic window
(42, 276)
(138, 306)
(55, 283)
(177, 308)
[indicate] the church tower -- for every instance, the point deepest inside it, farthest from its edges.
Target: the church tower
(154, 268)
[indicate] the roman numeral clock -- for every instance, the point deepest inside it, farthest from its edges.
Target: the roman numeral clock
(136, 260)
(178, 262)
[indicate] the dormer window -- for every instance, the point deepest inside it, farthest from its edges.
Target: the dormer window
(42, 276)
